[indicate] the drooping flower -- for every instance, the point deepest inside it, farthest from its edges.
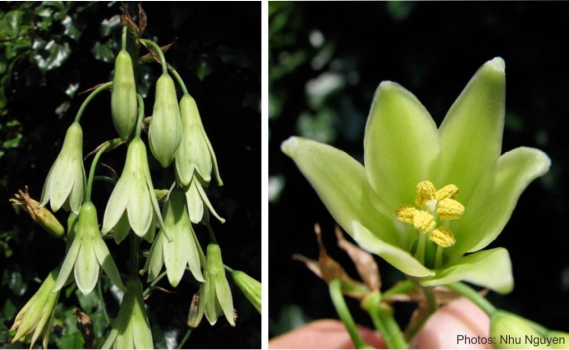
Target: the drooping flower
(123, 98)
(131, 329)
(182, 251)
(406, 159)
(133, 203)
(38, 313)
(87, 253)
(195, 155)
(165, 131)
(214, 297)
(65, 183)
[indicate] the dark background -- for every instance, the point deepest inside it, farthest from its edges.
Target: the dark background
(47, 48)
(323, 88)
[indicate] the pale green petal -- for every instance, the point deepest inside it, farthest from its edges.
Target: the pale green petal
(140, 325)
(117, 203)
(214, 158)
(342, 185)
(204, 198)
(111, 338)
(224, 296)
(151, 233)
(62, 181)
(68, 263)
(210, 299)
(195, 203)
(139, 207)
(106, 261)
(46, 191)
(77, 192)
(121, 228)
(486, 216)
(86, 267)
(155, 259)
(396, 256)
(488, 268)
(400, 145)
(175, 251)
(193, 255)
(471, 133)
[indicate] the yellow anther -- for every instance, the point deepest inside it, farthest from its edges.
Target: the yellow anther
(449, 209)
(449, 191)
(423, 221)
(443, 237)
(425, 192)
(406, 213)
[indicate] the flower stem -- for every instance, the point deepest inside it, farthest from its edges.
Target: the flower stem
(382, 317)
(106, 179)
(402, 287)
(153, 284)
(134, 247)
(158, 52)
(186, 336)
(123, 41)
(102, 301)
(140, 114)
(335, 288)
(420, 254)
(180, 81)
(473, 296)
(211, 234)
(101, 150)
(102, 87)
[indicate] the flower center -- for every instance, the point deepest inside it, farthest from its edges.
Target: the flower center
(433, 210)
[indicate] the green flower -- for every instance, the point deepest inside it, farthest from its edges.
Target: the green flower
(214, 297)
(133, 203)
(87, 253)
(131, 329)
(38, 313)
(392, 208)
(195, 155)
(65, 183)
(179, 253)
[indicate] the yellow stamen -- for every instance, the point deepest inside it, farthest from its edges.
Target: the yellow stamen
(449, 209)
(406, 213)
(449, 191)
(443, 237)
(423, 221)
(425, 192)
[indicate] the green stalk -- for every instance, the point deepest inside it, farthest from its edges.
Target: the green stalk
(384, 321)
(123, 38)
(106, 179)
(211, 234)
(186, 336)
(335, 288)
(140, 114)
(159, 52)
(104, 86)
(180, 81)
(102, 301)
(473, 296)
(153, 284)
(105, 147)
(134, 248)
(400, 288)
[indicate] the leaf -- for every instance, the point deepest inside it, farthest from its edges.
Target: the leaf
(103, 52)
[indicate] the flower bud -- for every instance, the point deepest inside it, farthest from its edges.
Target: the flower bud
(37, 315)
(250, 287)
(65, 183)
(165, 131)
(123, 98)
(510, 330)
(195, 155)
(40, 215)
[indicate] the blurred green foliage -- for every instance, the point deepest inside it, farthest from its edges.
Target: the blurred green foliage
(50, 52)
(325, 62)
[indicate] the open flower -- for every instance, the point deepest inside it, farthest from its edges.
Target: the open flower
(131, 329)
(182, 251)
(87, 253)
(133, 202)
(392, 208)
(65, 183)
(195, 155)
(214, 297)
(38, 313)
